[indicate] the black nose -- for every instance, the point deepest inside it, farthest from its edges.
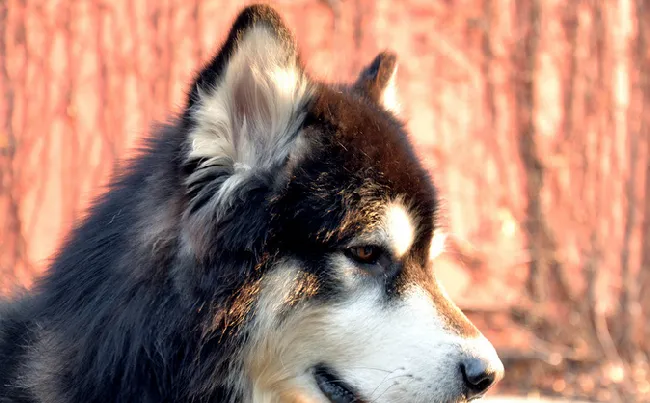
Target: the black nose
(477, 375)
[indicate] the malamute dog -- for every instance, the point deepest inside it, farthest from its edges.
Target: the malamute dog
(272, 244)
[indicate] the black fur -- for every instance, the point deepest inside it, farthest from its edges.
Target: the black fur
(146, 299)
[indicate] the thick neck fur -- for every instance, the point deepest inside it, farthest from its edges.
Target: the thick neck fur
(108, 315)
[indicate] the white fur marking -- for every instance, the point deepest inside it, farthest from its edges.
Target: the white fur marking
(399, 228)
(398, 352)
(252, 115)
(389, 98)
(437, 244)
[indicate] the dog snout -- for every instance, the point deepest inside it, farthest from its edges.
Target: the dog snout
(479, 374)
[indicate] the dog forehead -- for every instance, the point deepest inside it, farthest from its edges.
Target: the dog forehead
(370, 137)
(371, 145)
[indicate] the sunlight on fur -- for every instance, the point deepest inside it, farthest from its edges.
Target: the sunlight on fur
(389, 98)
(251, 116)
(399, 228)
(437, 244)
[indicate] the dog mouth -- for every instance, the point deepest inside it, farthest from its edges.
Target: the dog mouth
(336, 390)
(333, 387)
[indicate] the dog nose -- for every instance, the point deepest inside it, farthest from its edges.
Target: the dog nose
(478, 376)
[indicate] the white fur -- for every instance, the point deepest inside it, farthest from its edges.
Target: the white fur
(390, 353)
(437, 244)
(399, 228)
(389, 98)
(251, 117)
(396, 232)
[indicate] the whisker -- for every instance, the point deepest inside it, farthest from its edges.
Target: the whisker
(389, 386)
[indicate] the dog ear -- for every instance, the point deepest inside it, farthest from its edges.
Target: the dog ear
(245, 105)
(378, 81)
(243, 122)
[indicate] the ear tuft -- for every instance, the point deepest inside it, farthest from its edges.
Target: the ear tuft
(243, 118)
(246, 105)
(252, 17)
(378, 81)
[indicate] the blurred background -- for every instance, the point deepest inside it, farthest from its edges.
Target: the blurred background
(530, 114)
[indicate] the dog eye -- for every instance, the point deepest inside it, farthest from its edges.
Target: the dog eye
(364, 254)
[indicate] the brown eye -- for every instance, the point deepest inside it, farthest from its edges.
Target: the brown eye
(364, 254)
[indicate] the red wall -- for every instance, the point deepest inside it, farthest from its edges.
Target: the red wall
(496, 93)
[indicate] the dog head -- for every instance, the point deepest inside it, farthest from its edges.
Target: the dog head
(319, 185)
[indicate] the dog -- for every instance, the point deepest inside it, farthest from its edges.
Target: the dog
(270, 243)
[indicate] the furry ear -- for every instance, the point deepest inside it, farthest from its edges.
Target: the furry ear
(377, 81)
(245, 106)
(243, 120)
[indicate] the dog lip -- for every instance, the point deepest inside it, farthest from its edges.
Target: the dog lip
(338, 391)
(333, 387)
(473, 398)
